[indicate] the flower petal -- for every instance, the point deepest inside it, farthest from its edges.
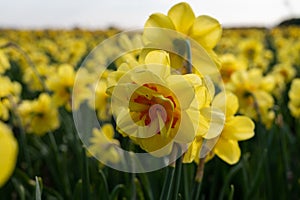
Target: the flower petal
(216, 119)
(206, 30)
(157, 30)
(186, 132)
(182, 16)
(193, 151)
(162, 59)
(239, 128)
(183, 90)
(159, 20)
(228, 150)
(227, 102)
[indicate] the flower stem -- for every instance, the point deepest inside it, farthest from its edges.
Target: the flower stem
(167, 183)
(198, 178)
(189, 57)
(178, 174)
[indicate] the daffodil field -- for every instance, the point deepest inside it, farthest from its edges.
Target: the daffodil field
(182, 109)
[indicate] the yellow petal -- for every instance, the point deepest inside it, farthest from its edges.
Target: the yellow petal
(141, 76)
(228, 150)
(183, 90)
(193, 151)
(161, 58)
(216, 119)
(186, 132)
(156, 145)
(135, 129)
(182, 16)
(157, 57)
(206, 30)
(238, 128)
(159, 20)
(227, 102)
(8, 153)
(108, 131)
(156, 30)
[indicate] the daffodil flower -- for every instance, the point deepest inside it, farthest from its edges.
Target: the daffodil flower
(8, 153)
(39, 116)
(103, 146)
(154, 107)
(294, 103)
(236, 128)
(203, 29)
(9, 95)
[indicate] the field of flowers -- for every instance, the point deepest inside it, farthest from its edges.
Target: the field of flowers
(221, 109)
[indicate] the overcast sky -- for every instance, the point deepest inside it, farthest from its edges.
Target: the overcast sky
(130, 14)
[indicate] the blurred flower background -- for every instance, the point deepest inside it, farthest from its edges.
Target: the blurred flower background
(248, 114)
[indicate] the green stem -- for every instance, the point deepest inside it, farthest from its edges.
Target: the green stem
(198, 178)
(186, 182)
(189, 57)
(23, 137)
(167, 183)
(85, 177)
(177, 176)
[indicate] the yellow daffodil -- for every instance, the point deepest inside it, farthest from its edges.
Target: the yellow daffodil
(103, 146)
(254, 93)
(236, 128)
(61, 84)
(39, 116)
(230, 64)
(254, 54)
(283, 73)
(82, 91)
(9, 95)
(294, 103)
(33, 79)
(8, 153)
(4, 62)
(203, 29)
(153, 107)
(101, 101)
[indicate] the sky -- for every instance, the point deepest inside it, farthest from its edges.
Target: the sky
(132, 14)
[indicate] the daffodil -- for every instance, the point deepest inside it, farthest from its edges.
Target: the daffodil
(236, 128)
(9, 95)
(61, 84)
(39, 116)
(283, 73)
(254, 54)
(203, 29)
(8, 153)
(154, 107)
(103, 146)
(34, 79)
(4, 62)
(294, 103)
(101, 101)
(230, 64)
(254, 93)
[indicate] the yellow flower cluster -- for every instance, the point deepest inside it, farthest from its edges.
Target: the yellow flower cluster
(168, 103)
(294, 103)
(39, 116)
(9, 95)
